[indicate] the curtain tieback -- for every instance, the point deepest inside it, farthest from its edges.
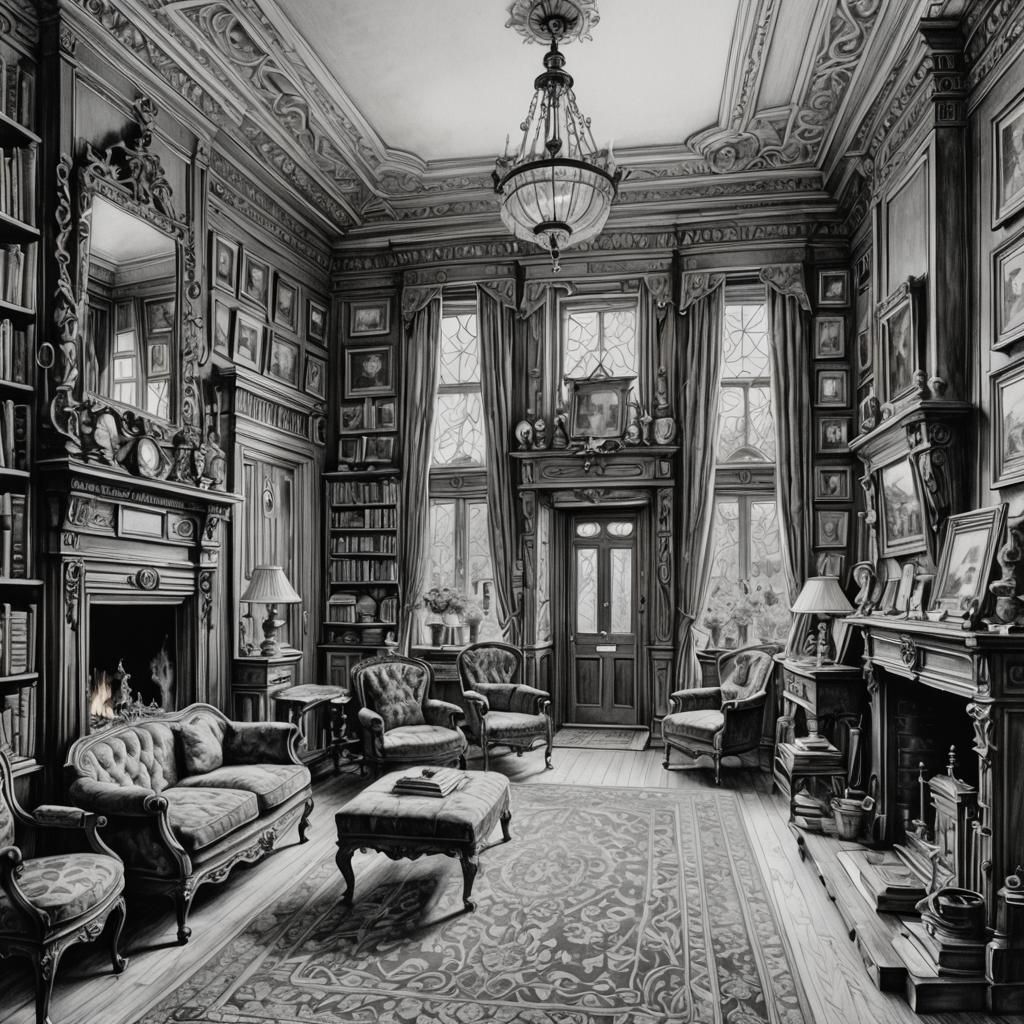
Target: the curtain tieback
(686, 618)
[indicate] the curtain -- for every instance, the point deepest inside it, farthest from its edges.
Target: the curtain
(698, 366)
(790, 338)
(496, 331)
(421, 312)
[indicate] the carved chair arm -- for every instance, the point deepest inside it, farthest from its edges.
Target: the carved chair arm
(529, 700)
(10, 869)
(477, 701)
(442, 713)
(371, 721)
(752, 703)
(700, 698)
(54, 816)
(109, 798)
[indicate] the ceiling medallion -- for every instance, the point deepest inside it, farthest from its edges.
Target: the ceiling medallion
(537, 20)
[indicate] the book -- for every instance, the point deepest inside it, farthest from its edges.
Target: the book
(430, 782)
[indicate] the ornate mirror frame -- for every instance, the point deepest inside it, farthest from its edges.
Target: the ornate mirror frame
(131, 177)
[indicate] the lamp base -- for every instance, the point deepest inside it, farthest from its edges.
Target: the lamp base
(271, 624)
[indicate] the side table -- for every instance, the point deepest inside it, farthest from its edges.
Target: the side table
(305, 707)
(256, 680)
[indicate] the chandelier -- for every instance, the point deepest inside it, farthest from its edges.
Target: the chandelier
(557, 189)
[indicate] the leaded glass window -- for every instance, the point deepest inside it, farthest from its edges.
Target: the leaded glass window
(458, 410)
(598, 334)
(746, 430)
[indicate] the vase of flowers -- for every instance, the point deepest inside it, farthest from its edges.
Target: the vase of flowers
(449, 605)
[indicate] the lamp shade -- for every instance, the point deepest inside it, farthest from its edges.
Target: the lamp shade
(822, 595)
(269, 585)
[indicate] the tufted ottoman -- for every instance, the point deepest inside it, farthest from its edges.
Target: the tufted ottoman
(402, 825)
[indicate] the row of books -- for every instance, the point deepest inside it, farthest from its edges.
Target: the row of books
(341, 608)
(18, 723)
(15, 438)
(364, 544)
(430, 782)
(13, 536)
(18, 84)
(18, 183)
(363, 492)
(14, 349)
(365, 570)
(363, 519)
(17, 274)
(17, 640)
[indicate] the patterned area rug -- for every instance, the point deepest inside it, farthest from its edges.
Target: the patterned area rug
(609, 906)
(602, 739)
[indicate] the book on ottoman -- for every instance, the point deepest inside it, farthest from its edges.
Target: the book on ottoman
(430, 782)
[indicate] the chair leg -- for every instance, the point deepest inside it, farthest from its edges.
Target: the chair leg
(304, 820)
(668, 754)
(550, 744)
(462, 762)
(46, 971)
(182, 904)
(117, 916)
(486, 753)
(718, 768)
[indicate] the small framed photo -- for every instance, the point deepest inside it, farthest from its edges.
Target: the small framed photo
(833, 483)
(864, 360)
(901, 512)
(384, 414)
(379, 448)
(1008, 161)
(901, 323)
(833, 525)
(598, 407)
(286, 303)
(833, 434)
(863, 270)
(1008, 283)
(830, 563)
(352, 418)
(254, 283)
(222, 328)
(159, 316)
(1008, 426)
(350, 451)
(833, 388)
(285, 360)
(830, 337)
(368, 318)
(316, 377)
(833, 287)
(158, 362)
(224, 261)
(247, 349)
(316, 322)
(368, 371)
(965, 564)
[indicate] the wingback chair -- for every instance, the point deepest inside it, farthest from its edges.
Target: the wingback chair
(399, 721)
(50, 903)
(724, 719)
(500, 709)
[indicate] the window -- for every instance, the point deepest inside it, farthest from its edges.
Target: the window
(746, 596)
(458, 413)
(598, 333)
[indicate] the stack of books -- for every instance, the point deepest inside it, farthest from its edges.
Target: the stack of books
(430, 782)
(800, 761)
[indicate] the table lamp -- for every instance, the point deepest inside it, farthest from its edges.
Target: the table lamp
(268, 585)
(822, 596)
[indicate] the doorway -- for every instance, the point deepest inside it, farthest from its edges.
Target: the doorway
(602, 620)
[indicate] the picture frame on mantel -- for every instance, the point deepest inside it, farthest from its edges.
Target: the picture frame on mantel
(900, 318)
(965, 565)
(1008, 426)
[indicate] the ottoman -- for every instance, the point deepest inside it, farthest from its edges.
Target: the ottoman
(404, 825)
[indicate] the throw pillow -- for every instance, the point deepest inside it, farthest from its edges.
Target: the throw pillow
(202, 745)
(734, 682)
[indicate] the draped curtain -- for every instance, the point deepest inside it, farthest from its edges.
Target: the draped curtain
(421, 313)
(698, 366)
(789, 325)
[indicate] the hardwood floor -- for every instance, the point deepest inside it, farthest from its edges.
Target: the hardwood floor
(836, 984)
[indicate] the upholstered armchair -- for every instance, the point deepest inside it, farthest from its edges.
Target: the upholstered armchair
(50, 903)
(400, 723)
(724, 719)
(501, 711)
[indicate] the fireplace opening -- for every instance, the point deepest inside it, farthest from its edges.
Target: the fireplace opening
(132, 649)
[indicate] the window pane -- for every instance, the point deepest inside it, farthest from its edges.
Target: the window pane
(619, 341)
(767, 585)
(587, 529)
(761, 426)
(442, 544)
(158, 398)
(593, 337)
(745, 341)
(124, 368)
(125, 342)
(586, 590)
(458, 430)
(480, 580)
(460, 353)
(723, 587)
(732, 423)
(581, 343)
(621, 590)
(620, 529)
(125, 392)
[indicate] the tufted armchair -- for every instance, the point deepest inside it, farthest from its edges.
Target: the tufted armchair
(399, 721)
(724, 719)
(49, 903)
(500, 710)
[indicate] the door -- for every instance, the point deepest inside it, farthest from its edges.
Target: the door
(602, 620)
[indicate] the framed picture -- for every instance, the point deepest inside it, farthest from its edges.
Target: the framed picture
(901, 515)
(286, 303)
(965, 564)
(379, 448)
(901, 325)
(368, 371)
(833, 388)
(1008, 426)
(158, 363)
(864, 359)
(1008, 284)
(1008, 161)
(384, 414)
(316, 322)
(598, 407)
(285, 360)
(833, 287)
(833, 434)
(833, 526)
(316, 377)
(224, 263)
(247, 349)
(833, 483)
(222, 328)
(352, 417)
(863, 270)
(830, 563)
(350, 450)
(830, 337)
(367, 318)
(159, 316)
(254, 284)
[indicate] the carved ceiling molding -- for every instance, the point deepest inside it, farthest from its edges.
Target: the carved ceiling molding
(753, 63)
(19, 21)
(991, 33)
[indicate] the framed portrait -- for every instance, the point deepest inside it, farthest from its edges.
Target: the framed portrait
(598, 407)
(316, 322)
(902, 515)
(901, 328)
(254, 283)
(224, 263)
(285, 360)
(350, 451)
(158, 359)
(833, 525)
(384, 414)
(833, 483)
(864, 359)
(352, 417)
(369, 371)
(159, 316)
(965, 564)
(247, 348)
(833, 434)
(1008, 285)
(833, 388)
(315, 381)
(829, 337)
(1008, 426)
(378, 448)
(368, 318)
(222, 328)
(286, 303)
(1008, 161)
(833, 287)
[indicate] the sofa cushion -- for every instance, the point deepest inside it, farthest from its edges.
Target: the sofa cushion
(272, 784)
(202, 745)
(199, 817)
(693, 725)
(143, 755)
(511, 725)
(63, 887)
(426, 741)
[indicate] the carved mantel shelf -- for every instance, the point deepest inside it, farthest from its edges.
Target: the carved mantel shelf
(909, 427)
(568, 469)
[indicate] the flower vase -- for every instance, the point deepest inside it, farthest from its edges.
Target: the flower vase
(452, 624)
(436, 633)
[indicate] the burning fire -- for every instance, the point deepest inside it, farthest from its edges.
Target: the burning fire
(101, 701)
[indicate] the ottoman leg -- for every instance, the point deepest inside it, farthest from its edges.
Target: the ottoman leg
(470, 865)
(344, 861)
(505, 819)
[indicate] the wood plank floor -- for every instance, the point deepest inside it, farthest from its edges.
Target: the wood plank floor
(824, 957)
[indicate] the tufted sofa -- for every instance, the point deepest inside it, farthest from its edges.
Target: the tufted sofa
(189, 794)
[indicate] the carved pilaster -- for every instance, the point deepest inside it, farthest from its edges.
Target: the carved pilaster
(663, 571)
(74, 570)
(983, 718)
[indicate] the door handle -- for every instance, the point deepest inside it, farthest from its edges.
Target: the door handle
(604, 632)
